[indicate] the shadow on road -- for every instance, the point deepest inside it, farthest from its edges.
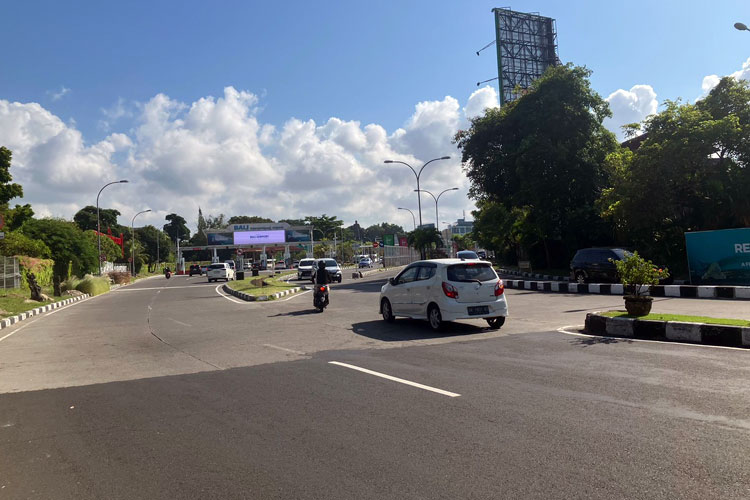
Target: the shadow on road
(303, 312)
(589, 341)
(407, 329)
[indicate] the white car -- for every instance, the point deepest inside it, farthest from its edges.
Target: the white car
(304, 270)
(441, 290)
(220, 271)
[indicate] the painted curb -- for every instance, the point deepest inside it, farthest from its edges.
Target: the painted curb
(681, 291)
(5, 323)
(261, 298)
(676, 331)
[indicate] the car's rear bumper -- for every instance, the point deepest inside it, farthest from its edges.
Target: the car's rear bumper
(451, 310)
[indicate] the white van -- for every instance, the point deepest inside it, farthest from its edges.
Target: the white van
(220, 271)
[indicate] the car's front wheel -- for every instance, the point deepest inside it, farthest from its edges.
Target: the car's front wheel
(435, 318)
(386, 311)
(496, 323)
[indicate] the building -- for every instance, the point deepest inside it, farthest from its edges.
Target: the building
(461, 227)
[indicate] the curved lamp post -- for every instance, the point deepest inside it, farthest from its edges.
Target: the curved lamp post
(741, 27)
(437, 223)
(98, 226)
(412, 216)
(417, 175)
(132, 243)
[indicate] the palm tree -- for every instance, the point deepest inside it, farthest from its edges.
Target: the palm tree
(424, 239)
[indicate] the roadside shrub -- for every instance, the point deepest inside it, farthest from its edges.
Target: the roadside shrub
(639, 273)
(120, 277)
(42, 269)
(69, 284)
(93, 285)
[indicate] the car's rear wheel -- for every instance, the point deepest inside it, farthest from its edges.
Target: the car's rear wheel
(435, 318)
(496, 323)
(580, 277)
(386, 311)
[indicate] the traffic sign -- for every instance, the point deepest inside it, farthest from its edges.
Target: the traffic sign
(239, 251)
(374, 244)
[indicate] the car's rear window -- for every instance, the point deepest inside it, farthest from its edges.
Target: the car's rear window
(216, 266)
(467, 254)
(306, 262)
(471, 272)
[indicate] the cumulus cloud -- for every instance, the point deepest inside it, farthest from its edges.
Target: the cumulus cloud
(630, 106)
(480, 100)
(711, 81)
(56, 95)
(215, 153)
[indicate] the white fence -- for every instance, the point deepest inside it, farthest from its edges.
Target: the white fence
(11, 276)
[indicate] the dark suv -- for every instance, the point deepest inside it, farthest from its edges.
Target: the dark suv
(195, 269)
(592, 264)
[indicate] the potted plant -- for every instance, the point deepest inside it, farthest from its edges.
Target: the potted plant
(637, 274)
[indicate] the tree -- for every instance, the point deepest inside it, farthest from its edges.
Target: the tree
(247, 219)
(8, 190)
(85, 218)
(67, 243)
(325, 224)
(15, 217)
(110, 249)
(424, 239)
(377, 231)
(147, 236)
(295, 222)
(690, 173)
(544, 153)
(176, 227)
(17, 243)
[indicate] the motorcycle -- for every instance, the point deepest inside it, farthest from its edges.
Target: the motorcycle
(320, 297)
(168, 274)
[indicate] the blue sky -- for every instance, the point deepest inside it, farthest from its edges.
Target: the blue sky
(95, 65)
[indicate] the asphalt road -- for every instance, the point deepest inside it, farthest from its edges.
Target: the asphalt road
(169, 389)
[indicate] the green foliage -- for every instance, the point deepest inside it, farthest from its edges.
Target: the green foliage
(110, 249)
(42, 269)
(85, 218)
(543, 154)
(17, 243)
(15, 217)
(636, 271)
(424, 239)
(69, 284)
(324, 226)
(176, 227)
(8, 190)
(464, 242)
(377, 231)
(67, 244)
(93, 285)
(248, 219)
(146, 248)
(690, 173)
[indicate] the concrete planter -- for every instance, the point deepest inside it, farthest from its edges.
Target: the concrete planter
(638, 306)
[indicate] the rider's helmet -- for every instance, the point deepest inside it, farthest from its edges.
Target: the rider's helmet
(321, 264)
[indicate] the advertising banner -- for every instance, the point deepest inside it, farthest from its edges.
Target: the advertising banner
(388, 240)
(719, 257)
(259, 237)
(220, 238)
(294, 236)
(403, 241)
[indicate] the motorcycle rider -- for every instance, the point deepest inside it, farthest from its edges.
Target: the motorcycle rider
(322, 278)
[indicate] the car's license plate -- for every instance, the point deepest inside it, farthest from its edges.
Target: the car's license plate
(477, 310)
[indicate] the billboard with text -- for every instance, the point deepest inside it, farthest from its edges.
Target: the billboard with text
(259, 237)
(719, 257)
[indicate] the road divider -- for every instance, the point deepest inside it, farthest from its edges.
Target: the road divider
(261, 298)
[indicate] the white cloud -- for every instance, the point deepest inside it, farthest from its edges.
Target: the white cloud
(56, 95)
(214, 153)
(480, 100)
(711, 81)
(630, 106)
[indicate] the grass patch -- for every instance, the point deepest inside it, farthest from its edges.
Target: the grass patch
(680, 317)
(252, 286)
(13, 301)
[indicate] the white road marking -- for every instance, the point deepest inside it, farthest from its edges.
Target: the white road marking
(159, 288)
(630, 339)
(396, 379)
(178, 322)
(293, 296)
(285, 349)
(228, 297)
(18, 329)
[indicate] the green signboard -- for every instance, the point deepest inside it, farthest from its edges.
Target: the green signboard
(388, 240)
(719, 257)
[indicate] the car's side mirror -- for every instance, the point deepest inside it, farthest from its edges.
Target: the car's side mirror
(393, 281)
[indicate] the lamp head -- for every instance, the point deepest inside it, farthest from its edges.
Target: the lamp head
(741, 26)
(445, 158)
(124, 180)
(388, 161)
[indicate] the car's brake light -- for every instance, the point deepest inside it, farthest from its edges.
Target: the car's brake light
(499, 288)
(450, 290)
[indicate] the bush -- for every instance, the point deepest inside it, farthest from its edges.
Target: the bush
(42, 269)
(120, 277)
(69, 284)
(636, 271)
(16, 243)
(93, 285)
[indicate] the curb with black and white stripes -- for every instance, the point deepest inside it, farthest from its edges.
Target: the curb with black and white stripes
(677, 331)
(5, 323)
(545, 277)
(682, 291)
(261, 298)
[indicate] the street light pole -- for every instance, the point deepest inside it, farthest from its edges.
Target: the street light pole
(132, 242)
(417, 175)
(98, 225)
(412, 216)
(437, 199)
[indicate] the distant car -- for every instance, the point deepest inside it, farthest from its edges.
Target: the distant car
(220, 271)
(467, 255)
(231, 264)
(248, 264)
(295, 264)
(280, 265)
(365, 262)
(332, 268)
(204, 268)
(195, 269)
(441, 290)
(304, 270)
(593, 264)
